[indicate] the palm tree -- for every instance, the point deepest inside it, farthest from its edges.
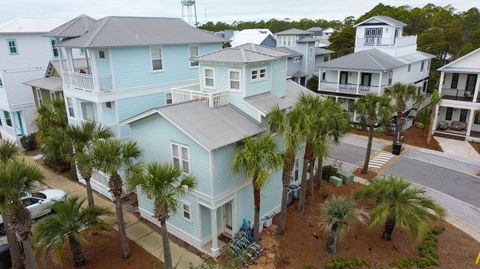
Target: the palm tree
(165, 184)
(286, 125)
(78, 139)
(435, 100)
(66, 224)
(8, 152)
(256, 158)
(111, 156)
(337, 214)
(16, 179)
(401, 94)
(373, 110)
(395, 201)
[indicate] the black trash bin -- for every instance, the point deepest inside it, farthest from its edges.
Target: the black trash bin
(397, 148)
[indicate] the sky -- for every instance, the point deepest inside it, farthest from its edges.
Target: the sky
(211, 10)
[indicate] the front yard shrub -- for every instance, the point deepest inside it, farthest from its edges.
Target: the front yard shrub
(29, 142)
(427, 252)
(328, 170)
(350, 263)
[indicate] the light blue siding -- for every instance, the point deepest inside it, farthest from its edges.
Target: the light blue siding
(154, 134)
(132, 66)
(238, 101)
(225, 179)
(221, 77)
(206, 221)
(278, 79)
(103, 65)
(253, 87)
(109, 116)
(134, 106)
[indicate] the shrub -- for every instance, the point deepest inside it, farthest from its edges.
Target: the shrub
(342, 263)
(328, 171)
(403, 263)
(312, 83)
(29, 142)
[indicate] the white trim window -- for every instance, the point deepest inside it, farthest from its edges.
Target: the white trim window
(168, 98)
(297, 59)
(234, 79)
(8, 118)
(88, 112)
(181, 157)
(187, 211)
(390, 77)
(193, 50)
(312, 53)
(258, 74)
(71, 111)
(157, 59)
(102, 55)
(209, 77)
(39, 96)
(53, 42)
(422, 66)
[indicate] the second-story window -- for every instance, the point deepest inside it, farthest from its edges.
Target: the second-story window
(181, 157)
(71, 111)
(8, 118)
(409, 67)
(168, 98)
(454, 83)
(209, 77)
(102, 55)
(12, 46)
(39, 96)
(193, 53)
(234, 79)
(53, 42)
(297, 59)
(422, 66)
(157, 61)
(258, 74)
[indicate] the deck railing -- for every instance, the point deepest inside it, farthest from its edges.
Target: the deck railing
(383, 41)
(88, 82)
(457, 94)
(346, 88)
(211, 99)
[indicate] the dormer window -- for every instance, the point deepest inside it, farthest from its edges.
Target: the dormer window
(258, 73)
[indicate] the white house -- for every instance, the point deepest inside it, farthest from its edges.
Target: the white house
(24, 55)
(261, 37)
(382, 57)
(458, 114)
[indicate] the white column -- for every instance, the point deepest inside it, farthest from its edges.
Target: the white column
(470, 121)
(213, 219)
(70, 63)
(440, 83)
(358, 81)
(338, 81)
(100, 113)
(379, 83)
(435, 121)
(477, 87)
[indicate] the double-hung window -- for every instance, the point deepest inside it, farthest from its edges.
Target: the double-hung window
(258, 73)
(193, 53)
(234, 79)
(12, 46)
(53, 42)
(168, 98)
(209, 77)
(39, 96)
(8, 118)
(422, 66)
(181, 157)
(102, 55)
(187, 215)
(71, 111)
(88, 111)
(157, 60)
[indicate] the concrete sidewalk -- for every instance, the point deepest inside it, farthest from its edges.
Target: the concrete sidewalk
(137, 231)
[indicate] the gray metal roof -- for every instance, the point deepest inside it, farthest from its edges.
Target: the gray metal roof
(299, 74)
(293, 31)
(50, 83)
(266, 101)
(372, 59)
(139, 31)
(320, 51)
(386, 19)
(315, 29)
(73, 28)
(306, 39)
(289, 51)
(212, 128)
(235, 55)
(274, 52)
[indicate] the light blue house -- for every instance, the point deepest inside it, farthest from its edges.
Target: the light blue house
(131, 64)
(199, 134)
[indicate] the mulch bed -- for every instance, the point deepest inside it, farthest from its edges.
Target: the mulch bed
(476, 146)
(413, 136)
(103, 252)
(369, 175)
(304, 242)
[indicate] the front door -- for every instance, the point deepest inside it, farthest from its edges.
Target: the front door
(227, 219)
(343, 77)
(471, 81)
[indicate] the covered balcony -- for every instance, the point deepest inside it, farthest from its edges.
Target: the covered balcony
(351, 82)
(193, 92)
(457, 123)
(460, 87)
(384, 41)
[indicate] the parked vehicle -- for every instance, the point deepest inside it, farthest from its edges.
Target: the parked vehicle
(38, 203)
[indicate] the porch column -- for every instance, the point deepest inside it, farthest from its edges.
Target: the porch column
(358, 81)
(213, 214)
(435, 121)
(68, 51)
(470, 120)
(338, 81)
(440, 83)
(60, 56)
(477, 87)
(379, 83)
(100, 113)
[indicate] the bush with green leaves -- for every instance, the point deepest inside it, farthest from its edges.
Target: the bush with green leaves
(328, 170)
(347, 263)
(29, 142)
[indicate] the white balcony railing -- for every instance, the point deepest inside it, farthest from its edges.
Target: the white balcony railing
(211, 99)
(88, 82)
(346, 88)
(382, 41)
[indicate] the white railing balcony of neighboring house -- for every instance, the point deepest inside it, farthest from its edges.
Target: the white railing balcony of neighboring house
(382, 41)
(346, 88)
(211, 99)
(88, 82)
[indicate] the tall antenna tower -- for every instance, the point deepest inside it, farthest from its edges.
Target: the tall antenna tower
(189, 12)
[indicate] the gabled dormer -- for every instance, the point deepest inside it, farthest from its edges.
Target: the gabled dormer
(385, 34)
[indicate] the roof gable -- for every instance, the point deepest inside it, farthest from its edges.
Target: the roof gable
(73, 28)
(246, 53)
(382, 19)
(468, 62)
